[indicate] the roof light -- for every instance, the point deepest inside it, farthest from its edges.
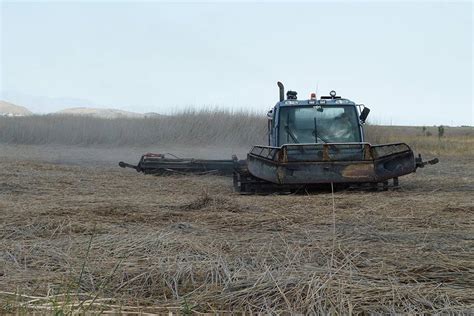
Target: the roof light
(332, 93)
(313, 96)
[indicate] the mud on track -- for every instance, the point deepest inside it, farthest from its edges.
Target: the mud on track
(172, 243)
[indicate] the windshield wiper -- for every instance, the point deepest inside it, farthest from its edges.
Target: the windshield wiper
(315, 132)
(289, 132)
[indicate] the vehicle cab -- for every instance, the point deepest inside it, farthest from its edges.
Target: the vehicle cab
(331, 119)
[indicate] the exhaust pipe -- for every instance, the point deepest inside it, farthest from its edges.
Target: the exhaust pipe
(282, 91)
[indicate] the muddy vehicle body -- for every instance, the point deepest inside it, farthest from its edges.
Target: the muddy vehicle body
(311, 143)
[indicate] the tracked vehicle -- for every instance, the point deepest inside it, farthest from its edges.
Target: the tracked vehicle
(311, 143)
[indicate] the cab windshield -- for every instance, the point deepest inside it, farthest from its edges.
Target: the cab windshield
(330, 124)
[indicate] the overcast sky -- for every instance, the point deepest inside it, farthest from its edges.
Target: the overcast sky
(410, 63)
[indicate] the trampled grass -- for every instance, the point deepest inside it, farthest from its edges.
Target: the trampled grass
(90, 240)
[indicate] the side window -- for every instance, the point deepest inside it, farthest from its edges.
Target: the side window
(270, 120)
(270, 126)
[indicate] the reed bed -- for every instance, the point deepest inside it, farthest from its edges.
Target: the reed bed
(207, 127)
(189, 127)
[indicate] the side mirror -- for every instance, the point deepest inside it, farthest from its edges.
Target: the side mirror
(270, 115)
(363, 115)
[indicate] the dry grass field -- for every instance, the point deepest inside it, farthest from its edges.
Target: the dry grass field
(80, 235)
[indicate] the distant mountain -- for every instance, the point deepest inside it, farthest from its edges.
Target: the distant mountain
(152, 114)
(102, 113)
(61, 105)
(42, 104)
(10, 109)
